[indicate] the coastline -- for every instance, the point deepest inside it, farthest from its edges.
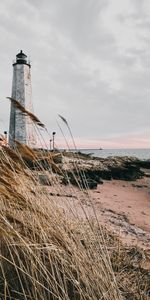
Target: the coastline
(75, 212)
(140, 153)
(118, 190)
(121, 206)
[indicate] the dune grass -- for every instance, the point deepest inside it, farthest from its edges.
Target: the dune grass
(42, 254)
(46, 254)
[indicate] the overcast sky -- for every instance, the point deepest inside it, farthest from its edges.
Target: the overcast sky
(90, 63)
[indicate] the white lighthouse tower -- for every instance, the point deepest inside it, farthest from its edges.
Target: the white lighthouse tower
(21, 127)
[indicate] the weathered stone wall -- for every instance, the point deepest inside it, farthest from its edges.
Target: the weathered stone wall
(21, 127)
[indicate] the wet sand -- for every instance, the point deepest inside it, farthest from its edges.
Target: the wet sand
(125, 208)
(122, 206)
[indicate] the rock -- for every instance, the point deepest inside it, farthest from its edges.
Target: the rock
(95, 170)
(90, 184)
(147, 175)
(83, 181)
(44, 179)
(143, 163)
(128, 172)
(57, 159)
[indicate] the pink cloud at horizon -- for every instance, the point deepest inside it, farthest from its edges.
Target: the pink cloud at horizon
(121, 142)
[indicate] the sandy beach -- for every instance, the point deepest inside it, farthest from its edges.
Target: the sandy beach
(122, 206)
(125, 207)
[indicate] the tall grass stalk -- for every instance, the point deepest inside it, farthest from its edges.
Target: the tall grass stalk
(44, 252)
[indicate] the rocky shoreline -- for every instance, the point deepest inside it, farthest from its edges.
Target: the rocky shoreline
(95, 170)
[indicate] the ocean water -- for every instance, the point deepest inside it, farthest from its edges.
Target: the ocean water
(139, 153)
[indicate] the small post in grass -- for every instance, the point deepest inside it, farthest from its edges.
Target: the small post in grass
(54, 140)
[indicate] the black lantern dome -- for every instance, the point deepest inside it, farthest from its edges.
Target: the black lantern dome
(21, 58)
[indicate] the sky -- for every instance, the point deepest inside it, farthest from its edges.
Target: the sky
(90, 63)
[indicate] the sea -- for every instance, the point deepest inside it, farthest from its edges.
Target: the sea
(139, 153)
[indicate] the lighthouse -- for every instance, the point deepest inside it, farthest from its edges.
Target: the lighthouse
(21, 127)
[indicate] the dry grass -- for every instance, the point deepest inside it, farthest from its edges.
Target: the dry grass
(45, 255)
(22, 109)
(42, 257)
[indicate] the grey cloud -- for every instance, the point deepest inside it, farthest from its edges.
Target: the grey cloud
(78, 69)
